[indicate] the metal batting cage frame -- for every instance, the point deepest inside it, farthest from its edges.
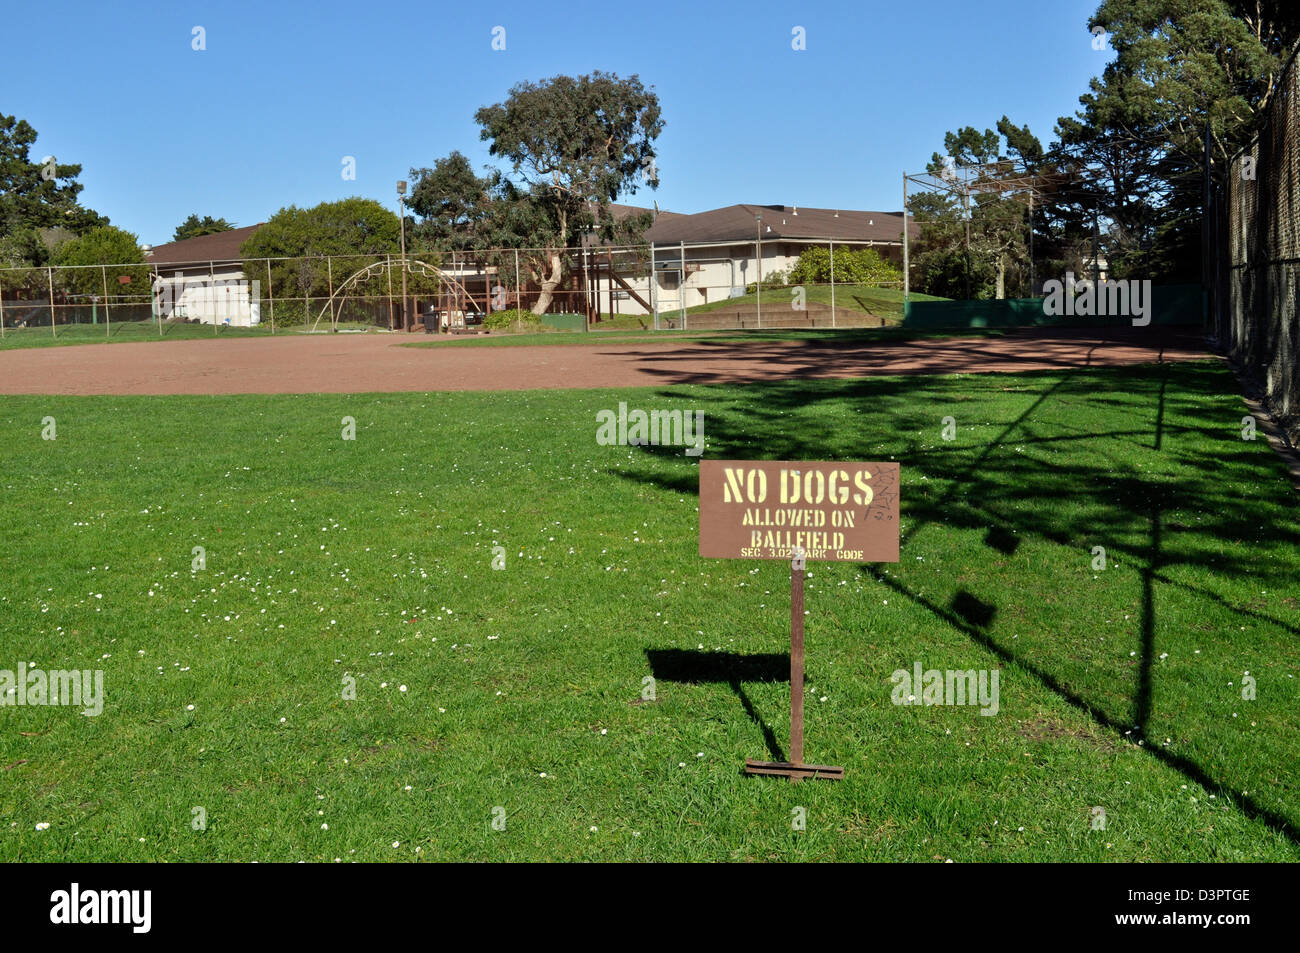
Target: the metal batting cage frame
(1000, 178)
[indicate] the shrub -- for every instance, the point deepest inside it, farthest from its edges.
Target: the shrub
(862, 267)
(513, 319)
(777, 279)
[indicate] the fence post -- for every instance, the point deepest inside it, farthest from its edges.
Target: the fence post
(586, 285)
(966, 214)
(1032, 276)
(388, 263)
(329, 273)
(270, 294)
(907, 284)
(212, 294)
(832, 282)
(518, 289)
(681, 288)
(108, 311)
(2, 311)
(654, 297)
(49, 277)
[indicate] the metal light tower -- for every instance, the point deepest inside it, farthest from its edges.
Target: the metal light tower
(401, 211)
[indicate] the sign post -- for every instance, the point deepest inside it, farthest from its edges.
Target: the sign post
(846, 512)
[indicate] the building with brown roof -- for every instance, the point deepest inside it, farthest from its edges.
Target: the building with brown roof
(715, 254)
(744, 224)
(202, 279)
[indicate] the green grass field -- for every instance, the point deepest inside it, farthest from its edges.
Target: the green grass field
(865, 299)
(851, 299)
(326, 558)
(607, 337)
(89, 334)
(125, 331)
(68, 334)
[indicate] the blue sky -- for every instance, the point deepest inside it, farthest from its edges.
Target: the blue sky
(263, 117)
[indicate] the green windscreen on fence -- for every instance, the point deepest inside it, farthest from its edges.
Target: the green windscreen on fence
(1169, 305)
(564, 322)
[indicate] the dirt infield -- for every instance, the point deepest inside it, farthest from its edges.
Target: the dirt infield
(350, 364)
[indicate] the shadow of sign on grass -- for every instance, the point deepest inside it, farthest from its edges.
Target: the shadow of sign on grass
(692, 667)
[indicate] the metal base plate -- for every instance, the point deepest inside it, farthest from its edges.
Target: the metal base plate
(795, 772)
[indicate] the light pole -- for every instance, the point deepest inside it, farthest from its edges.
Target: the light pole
(758, 220)
(401, 211)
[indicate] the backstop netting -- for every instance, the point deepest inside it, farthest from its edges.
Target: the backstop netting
(1253, 233)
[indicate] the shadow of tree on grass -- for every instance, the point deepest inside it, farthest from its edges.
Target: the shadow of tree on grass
(1167, 486)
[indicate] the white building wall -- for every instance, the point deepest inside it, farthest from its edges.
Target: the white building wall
(218, 296)
(712, 274)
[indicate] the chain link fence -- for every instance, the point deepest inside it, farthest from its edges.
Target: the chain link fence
(1252, 255)
(704, 286)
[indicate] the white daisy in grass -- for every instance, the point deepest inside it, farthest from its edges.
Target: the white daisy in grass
(43, 826)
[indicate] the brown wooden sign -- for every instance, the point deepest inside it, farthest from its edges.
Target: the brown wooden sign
(765, 509)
